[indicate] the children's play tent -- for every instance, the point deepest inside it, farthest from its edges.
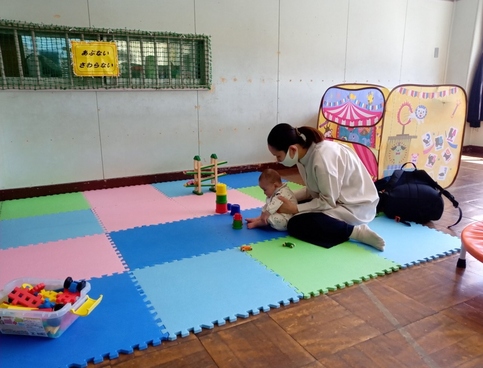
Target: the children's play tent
(423, 124)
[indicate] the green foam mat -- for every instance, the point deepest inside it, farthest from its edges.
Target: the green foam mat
(294, 186)
(254, 192)
(47, 205)
(257, 193)
(314, 270)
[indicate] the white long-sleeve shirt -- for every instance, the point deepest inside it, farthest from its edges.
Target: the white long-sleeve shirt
(272, 203)
(337, 183)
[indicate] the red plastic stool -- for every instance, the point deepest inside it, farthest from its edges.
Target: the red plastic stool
(471, 242)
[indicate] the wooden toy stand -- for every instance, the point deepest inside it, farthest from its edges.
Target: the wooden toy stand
(204, 173)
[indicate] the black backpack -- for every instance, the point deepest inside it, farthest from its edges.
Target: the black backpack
(412, 195)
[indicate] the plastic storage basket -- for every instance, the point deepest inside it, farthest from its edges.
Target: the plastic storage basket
(43, 323)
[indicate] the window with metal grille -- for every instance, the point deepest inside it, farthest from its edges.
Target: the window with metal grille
(34, 56)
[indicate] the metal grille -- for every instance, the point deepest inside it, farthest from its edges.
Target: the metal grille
(34, 56)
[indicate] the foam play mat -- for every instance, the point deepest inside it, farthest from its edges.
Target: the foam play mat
(167, 264)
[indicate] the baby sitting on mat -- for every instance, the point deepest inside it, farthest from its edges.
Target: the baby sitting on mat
(270, 182)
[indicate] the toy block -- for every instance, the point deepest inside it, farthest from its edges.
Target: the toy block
(15, 307)
(23, 297)
(221, 189)
(221, 208)
(37, 288)
(66, 297)
(50, 294)
(47, 304)
(237, 221)
(234, 208)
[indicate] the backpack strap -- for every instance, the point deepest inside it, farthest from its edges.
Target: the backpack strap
(453, 201)
(396, 175)
(443, 191)
(409, 162)
(391, 183)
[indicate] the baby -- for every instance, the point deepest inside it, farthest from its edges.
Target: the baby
(271, 184)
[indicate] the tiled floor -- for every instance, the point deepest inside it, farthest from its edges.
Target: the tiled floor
(430, 315)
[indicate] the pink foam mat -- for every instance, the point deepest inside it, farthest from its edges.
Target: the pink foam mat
(114, 196)
(129, 215)
(205, 205)
(80, 258)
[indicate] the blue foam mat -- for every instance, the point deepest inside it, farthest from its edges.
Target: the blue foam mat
(235, 181)
(119, 324)
(408, 246)
(243, 180)
(45, 228)
(174, 188)
(156, 244)
(202, 291)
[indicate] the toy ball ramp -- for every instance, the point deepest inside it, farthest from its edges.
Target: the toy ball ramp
(424, 125)
(352, 114)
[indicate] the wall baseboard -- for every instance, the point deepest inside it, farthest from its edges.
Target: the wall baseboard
(18, 193)
(472, 150)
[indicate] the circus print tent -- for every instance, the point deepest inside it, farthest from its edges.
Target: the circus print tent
(352, 109)
(352, 114)
(423, 124)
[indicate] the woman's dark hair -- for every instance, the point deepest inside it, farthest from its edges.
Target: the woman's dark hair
(284, 135)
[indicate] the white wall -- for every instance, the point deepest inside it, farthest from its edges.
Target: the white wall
(466, 48)
(272, 62)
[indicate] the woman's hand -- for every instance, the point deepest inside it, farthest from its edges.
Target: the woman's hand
(287, 206)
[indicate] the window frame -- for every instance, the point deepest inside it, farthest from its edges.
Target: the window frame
(185, 65)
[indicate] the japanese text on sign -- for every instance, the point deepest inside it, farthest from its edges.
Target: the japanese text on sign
(94, 59)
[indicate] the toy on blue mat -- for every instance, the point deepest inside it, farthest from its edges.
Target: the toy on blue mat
(237, 221)
(211, 172)
(233, 208)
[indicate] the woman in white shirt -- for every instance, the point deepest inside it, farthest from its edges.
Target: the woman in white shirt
(339, 197)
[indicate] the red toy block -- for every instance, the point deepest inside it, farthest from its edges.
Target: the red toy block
(237, 221)
(67, 297)
(23, 297)
(221, 208)
(37, 288)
